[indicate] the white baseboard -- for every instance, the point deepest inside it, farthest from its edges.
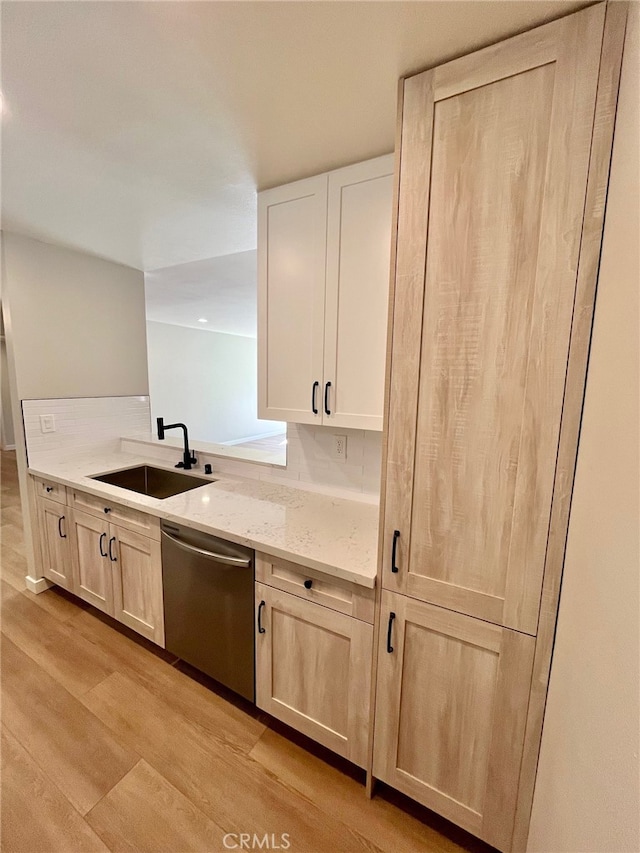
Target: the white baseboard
(37, 585)
(8, 447)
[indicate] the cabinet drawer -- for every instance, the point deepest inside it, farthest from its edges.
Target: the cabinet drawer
(50, 490)
(343, 596)
(123, 516)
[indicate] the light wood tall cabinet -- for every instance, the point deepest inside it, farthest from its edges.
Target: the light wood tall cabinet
(323, 283)
(504, 160)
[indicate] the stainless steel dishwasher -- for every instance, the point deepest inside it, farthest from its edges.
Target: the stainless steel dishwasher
(208, 605)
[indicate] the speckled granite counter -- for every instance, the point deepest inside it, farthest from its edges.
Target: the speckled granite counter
(331, 534)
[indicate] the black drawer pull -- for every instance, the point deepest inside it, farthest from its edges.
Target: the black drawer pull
(107, 509)
(314, 407)
(394, 549)
(60, 533)
(261, 630)
(308, 584)
(111, 557)
(326, 398)
(49, 488)
(392, 616)
(102, 553)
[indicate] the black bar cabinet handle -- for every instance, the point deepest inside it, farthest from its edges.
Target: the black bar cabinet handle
(392, 616)
(326, 398)
(102, 553)
(394, 549)
(111, 557)
(60, 533)
(261, 630)
(314, 408)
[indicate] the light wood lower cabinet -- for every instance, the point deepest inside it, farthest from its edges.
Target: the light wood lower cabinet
(120, 573)
(313, 670)
(92, 570)
(451, 705)
(53, 524)
(137, 583)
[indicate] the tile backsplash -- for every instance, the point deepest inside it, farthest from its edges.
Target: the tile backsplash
(99, 423)
(310, 458)
(83, 424)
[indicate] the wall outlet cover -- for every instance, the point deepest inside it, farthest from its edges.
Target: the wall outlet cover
(340, 448)
(47, 423)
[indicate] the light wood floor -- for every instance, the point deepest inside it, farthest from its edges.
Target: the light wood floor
(108, 745)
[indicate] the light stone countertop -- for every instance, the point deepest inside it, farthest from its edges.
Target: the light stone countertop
(331, 534)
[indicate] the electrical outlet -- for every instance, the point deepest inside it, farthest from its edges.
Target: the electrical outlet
(340, 447)
(47, 423)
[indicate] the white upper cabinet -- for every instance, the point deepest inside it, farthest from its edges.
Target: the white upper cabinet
(323, 284)
(292, 245)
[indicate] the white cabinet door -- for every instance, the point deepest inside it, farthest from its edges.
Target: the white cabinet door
(291, 272)
(357, 292)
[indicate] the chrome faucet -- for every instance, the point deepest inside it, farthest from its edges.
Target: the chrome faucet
(188, 461)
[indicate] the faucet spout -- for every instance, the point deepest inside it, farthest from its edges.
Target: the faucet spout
(188, 461)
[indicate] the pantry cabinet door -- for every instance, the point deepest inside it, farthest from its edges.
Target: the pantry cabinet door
(93, 577)
(292, 230)
(495, 151)
(137, 582)
(313, 670)
(450, 713)
(357, 292)
(54, 524)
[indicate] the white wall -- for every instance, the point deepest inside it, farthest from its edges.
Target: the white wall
(7, 439)
(587, 792)
(77, 323)
(207, 380)
(75, 327)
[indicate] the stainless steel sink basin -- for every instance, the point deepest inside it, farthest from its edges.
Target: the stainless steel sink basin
(155, 482)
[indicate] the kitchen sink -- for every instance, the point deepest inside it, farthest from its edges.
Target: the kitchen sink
(155, 482)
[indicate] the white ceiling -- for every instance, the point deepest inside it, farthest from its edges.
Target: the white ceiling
(220, 290)
(139, 131)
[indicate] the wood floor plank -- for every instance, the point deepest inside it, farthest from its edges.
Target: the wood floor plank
(12, 515)
(53, 645)
(14, 563)
(231, 789)
(342, 798)
(75, 750)
(56, 603)
(221, 719)
(145, 814)
(35, 815)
